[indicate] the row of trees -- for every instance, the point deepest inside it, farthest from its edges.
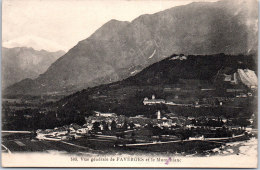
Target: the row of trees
(31, 119)
(242, 122)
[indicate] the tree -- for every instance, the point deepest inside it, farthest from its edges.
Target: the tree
(132, 125)
(242, 122)
(105, 125)
(133, 137)
(113, 125)
(125, 125)
(96, 126)
(193, 121)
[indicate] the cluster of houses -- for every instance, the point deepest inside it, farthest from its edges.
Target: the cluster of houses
(204, 102)
(104, 122)
(181, 57)
(107, 121)
(138, 121)
(196, 103)
(153, 100)
(62, 133)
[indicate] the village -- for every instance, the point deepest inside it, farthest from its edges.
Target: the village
(163, 126)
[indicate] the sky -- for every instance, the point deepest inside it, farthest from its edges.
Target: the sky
(61, 24)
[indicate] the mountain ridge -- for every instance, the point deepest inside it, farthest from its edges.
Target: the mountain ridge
(118, 47)
(19, 63)
(126, 96)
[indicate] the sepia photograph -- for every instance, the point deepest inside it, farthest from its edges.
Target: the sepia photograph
(129, 83)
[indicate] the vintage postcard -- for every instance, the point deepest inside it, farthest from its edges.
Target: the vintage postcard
(130, 83)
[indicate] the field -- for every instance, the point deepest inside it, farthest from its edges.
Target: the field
(101, 145)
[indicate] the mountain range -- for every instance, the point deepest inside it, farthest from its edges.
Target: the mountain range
(20, 63)
(120, 49)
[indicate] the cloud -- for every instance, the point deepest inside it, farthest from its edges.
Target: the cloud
(35, 42)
